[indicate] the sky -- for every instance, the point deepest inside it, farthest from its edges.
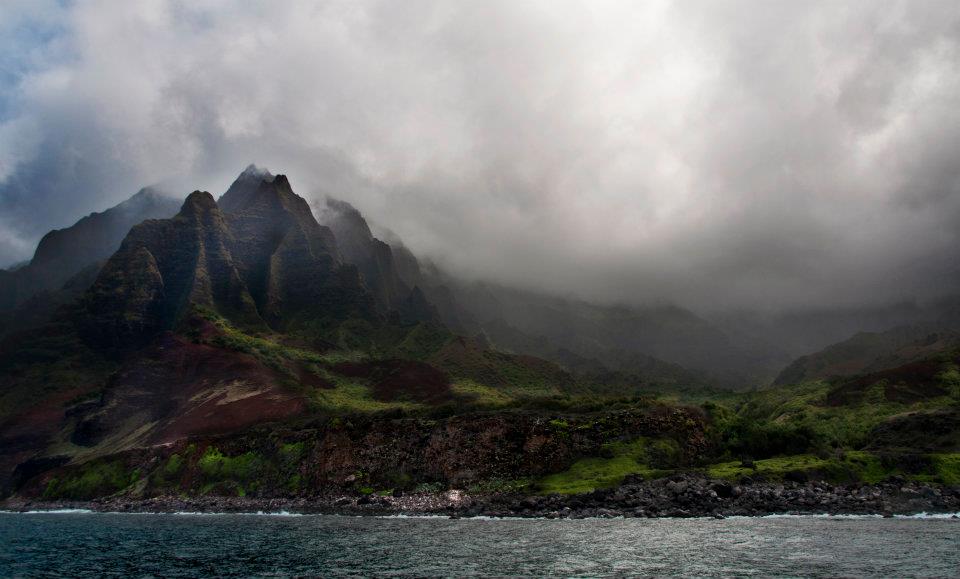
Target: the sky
(775, 155)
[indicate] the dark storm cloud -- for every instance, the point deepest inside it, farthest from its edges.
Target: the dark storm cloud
(742, 154)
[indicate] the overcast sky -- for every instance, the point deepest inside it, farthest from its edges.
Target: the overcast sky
(744, 154)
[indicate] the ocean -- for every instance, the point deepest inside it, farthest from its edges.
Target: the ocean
(78, 543)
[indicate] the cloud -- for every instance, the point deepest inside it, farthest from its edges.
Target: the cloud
(729, 154)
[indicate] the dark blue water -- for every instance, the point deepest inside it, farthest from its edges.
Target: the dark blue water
(123, 545)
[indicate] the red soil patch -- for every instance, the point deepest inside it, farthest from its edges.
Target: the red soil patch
(41, 420)
(22, 435)
(400, 380)
(190, 389)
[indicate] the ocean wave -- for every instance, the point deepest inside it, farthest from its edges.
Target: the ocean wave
(253, 514)
(51, 512)
(929, 516)
(178, 513)
(849, 516)
(922, 515)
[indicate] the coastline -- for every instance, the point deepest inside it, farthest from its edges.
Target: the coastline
(678, 496)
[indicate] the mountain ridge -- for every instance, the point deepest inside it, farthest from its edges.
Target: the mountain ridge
(62, 253)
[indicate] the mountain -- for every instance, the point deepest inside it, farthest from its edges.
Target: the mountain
(257, 258)
(664, 345)
(801, 332)
(289, 262)
(44, 304)
(391, 274)
(867, 352)
(63, 253)
(390, 270)
(161, 269)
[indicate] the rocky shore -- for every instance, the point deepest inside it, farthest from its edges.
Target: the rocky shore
(682, 495)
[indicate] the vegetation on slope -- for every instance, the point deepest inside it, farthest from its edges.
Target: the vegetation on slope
(347, 381)
(814, 430)
(648, 458)
(899, 422)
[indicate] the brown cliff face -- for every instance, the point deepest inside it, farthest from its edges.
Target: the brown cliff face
(382, 453)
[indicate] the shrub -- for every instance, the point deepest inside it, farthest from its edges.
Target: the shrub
(90, 480)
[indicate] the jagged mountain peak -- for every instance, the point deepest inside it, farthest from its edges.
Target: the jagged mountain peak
(346, 217)
(243, 187)
(146, 195)
(198, 202)
(147, 203)
(280, 191)
(253, 170)
(391, 274)
(258, 256)
(270, 207)
(257, 189)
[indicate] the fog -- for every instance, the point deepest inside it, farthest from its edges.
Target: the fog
(719, 155)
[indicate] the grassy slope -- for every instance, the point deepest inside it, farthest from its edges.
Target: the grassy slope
(481, 379)
(617, 460)
(347, 395)
(801, 428)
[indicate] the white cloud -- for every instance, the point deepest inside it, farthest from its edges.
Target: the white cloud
(732, 153)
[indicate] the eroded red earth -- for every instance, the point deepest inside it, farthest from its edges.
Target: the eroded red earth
(177, 388)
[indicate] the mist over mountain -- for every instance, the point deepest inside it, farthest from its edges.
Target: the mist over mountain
(567, 197)
(263, 257)
(392, 273)
(783, 158)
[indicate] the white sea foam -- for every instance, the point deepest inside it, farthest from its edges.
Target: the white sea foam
(929, 516)
(256, 514)
(847, 516)
(52, 512)
(922, 515)
(179, 513)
